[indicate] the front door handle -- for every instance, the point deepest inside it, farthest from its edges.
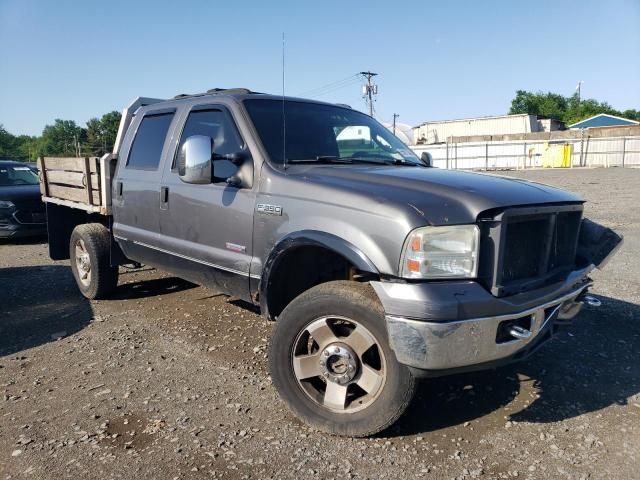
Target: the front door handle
(119, 188)
(164, 197)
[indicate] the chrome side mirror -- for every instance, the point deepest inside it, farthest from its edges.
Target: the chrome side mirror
(427, 159)
(194, 160)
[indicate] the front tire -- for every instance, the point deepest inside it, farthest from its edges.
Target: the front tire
(331, 363)
(89, 251)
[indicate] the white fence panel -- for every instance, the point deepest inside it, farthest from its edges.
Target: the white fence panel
(588, 152)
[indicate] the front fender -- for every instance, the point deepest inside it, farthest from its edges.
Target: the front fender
(310, 238)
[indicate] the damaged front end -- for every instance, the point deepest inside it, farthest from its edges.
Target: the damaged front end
(524, 293)
(597, 243)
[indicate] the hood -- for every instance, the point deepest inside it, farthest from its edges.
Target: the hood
(20, 192)
(436, 195)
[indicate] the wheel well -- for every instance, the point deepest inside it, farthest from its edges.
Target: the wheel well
(61, 221)
(302, 268)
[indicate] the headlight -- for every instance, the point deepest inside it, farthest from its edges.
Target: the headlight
(6, 204)
(441, 252)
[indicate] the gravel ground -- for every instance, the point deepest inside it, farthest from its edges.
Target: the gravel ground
(169, 380)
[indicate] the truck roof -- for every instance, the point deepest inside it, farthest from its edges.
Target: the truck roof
(239, 94)
(219, 91)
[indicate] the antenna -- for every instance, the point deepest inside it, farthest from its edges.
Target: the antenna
(284, 122)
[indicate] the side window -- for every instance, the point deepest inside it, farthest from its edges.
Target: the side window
(147, 146)
(226, 140)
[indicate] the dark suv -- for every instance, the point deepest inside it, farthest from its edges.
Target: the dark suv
(22, 212)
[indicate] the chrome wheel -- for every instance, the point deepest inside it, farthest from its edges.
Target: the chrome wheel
(83, 262)
(339, 364)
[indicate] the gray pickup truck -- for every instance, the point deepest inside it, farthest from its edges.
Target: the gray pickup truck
(377, 268)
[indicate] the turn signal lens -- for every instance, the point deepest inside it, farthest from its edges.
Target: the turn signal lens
(413, 266)
(416, 243)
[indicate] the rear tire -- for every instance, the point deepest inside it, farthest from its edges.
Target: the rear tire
(331, 363)
(90, 254)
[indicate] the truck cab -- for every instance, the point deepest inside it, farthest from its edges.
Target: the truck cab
(377, 268)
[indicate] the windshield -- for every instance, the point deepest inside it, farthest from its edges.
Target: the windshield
(316, 132)
(12, 175)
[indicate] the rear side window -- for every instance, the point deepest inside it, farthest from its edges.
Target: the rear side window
(147, 146)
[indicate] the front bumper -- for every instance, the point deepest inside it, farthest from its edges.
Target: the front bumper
(449, 327)
(12, 227)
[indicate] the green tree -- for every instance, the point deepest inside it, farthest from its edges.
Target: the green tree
(62, 138)
(547, 104)
(101, 134)
(29, 148)
(110, 123)
(632, 114)
(22, 147)
(94, 145)
(586, 108)
(567, 109)
(7, 143)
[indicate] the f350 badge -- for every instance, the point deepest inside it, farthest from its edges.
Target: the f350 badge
(267, 209)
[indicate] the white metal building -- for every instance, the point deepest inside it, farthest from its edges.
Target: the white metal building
(439, 131)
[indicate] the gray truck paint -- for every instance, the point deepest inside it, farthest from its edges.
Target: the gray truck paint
(371, 207)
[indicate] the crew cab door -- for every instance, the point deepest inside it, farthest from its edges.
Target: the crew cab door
(208, 227)
(136, 185)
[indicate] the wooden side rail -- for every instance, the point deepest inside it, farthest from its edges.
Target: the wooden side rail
(74, 179)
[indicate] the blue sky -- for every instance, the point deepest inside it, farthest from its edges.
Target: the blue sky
(436, 60)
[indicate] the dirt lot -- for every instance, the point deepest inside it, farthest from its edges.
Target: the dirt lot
(169, 380)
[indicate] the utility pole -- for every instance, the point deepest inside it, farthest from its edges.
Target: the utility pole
(369, 90)
(578, 90)
(395, 115)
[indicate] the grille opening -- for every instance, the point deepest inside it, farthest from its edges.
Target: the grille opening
(503, 335)
(524, 249)
(537, 246)
(565, 240)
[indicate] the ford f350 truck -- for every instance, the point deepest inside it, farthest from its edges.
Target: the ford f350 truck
(377, 268)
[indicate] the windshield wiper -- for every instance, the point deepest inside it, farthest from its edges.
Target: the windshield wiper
(321, 159)
(327, 159)
(385, 161)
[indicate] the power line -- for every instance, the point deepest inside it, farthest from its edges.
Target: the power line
(329, 85)
(323, 93)
(319, 92)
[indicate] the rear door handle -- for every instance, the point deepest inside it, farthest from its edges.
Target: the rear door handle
(119, 188)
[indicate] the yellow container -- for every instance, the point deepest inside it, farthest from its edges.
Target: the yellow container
(557, 156)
